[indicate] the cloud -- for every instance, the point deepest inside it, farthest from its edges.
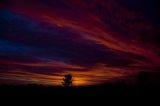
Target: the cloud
(88, 76)
(95, 41)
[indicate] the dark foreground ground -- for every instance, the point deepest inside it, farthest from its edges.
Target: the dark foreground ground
(104, 92)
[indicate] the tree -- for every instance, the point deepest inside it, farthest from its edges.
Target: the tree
(142, 77)
(67, 80)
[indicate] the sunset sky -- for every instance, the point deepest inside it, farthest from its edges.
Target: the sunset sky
(96, 41)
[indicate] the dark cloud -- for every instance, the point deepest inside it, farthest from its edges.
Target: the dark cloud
(100, 38)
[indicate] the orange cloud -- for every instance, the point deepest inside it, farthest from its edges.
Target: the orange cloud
(90, 25)
(51, 64)
(89, 76)
(30, 77)
(100, 36)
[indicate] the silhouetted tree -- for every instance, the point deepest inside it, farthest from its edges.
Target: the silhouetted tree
(67, 80)
(142, 77)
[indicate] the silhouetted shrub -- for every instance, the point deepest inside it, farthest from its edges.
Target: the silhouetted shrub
(67, 80)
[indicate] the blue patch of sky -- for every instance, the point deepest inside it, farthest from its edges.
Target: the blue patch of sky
(15, 23)
(7, 47)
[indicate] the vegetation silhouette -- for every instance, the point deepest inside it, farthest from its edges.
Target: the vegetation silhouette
(142, 78)
(118, 89)
(67, 80)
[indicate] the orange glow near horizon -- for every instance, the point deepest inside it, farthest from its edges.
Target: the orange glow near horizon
(96, 42)
(95, 75)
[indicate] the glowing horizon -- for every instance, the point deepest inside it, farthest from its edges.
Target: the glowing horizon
(96, 41)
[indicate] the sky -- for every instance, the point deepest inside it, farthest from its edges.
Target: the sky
(97, 41)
